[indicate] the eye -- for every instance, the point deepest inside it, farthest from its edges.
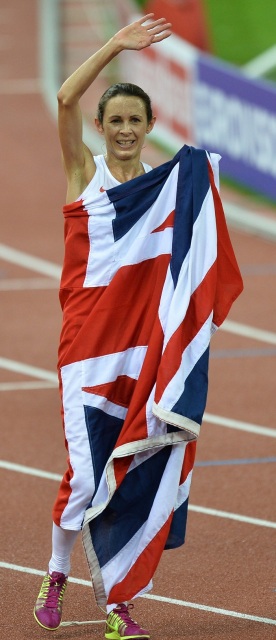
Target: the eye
(135, 119)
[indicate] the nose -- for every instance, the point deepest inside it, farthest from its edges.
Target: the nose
(125, 128)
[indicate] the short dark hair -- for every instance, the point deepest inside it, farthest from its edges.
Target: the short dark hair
(127, 89)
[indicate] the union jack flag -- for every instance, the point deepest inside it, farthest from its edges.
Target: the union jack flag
(149, 275)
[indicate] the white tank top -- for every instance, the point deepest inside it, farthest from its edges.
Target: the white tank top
(103, 179)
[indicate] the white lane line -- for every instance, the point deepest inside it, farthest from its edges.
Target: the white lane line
(54, 270)
(151, 596)
(27, 386)
(12, 466)
(43, 374)
(248, 332)
(203, 607)
(26, 284)
(29, 262)
(28, 370)
(232, 516)
(29, 471)
(250, 221)
(230, 423)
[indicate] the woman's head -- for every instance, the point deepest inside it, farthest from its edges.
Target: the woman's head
(124, 118)
(124, 89)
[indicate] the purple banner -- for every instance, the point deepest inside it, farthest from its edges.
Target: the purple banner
(236, 117)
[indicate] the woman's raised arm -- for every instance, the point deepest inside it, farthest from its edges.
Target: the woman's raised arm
(78, 161)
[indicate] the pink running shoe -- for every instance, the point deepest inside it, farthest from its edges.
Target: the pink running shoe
(48, 607)
(119, 624)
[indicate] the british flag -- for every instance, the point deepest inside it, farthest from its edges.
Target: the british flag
(149, 275)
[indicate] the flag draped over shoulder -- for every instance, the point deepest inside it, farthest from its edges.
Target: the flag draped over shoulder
(149, 274)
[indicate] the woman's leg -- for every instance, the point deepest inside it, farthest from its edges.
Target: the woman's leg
(63, 541)
(48, 607)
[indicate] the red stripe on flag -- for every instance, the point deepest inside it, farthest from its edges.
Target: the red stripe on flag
(63, 495)
(124, 313)
(143, 569)
(189, 460)
(118, 391)
(120, 467)
(169, 222)
(135, 426)
(77, 245)
(65, 489)
(76, 305)
(199, 309)
(229, 281)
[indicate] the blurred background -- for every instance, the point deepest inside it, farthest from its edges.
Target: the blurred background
(211, 83)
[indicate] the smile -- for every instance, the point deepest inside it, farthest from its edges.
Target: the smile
(125, 143)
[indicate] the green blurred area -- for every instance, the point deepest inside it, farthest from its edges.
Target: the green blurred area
(239, 29)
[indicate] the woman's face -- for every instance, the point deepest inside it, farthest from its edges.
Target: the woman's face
(124, 127)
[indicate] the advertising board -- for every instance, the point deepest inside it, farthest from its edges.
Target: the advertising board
(236, 117)
(201, 101)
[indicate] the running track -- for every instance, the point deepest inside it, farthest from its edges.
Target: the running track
(221, 584)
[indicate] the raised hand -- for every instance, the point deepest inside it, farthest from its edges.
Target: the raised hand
(138, 35)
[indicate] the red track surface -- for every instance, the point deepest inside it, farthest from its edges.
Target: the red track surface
(225, 564)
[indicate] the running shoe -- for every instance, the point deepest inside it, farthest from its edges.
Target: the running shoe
(119, 624)
(48, 607)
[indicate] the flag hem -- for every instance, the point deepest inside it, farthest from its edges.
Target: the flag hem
(177, 420)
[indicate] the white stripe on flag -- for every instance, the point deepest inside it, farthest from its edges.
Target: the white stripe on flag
(139, 239)
(189, 359)
(100, 265)
(106, 368)
(82, 482)
(161, 509)
(100, 402)
(147, 247)
(196, 265)
(184, 490)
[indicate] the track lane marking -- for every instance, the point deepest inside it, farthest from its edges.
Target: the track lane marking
(28, 284)
(234, 462)
(27, 261)
(29, 471)
(47, 475)
(150, 596)
(49, 376)
(53, 270)
(28, 370)
(231, 516)
(27, 386)
(247, 331)
(230, 423)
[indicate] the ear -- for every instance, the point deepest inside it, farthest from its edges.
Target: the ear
(151, 125)
(99, 126)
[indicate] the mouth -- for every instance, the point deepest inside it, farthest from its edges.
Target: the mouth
(125, 143)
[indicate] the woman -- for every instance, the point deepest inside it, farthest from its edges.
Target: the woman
(124, 118)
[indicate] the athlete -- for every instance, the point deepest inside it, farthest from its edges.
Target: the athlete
(124, 118)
